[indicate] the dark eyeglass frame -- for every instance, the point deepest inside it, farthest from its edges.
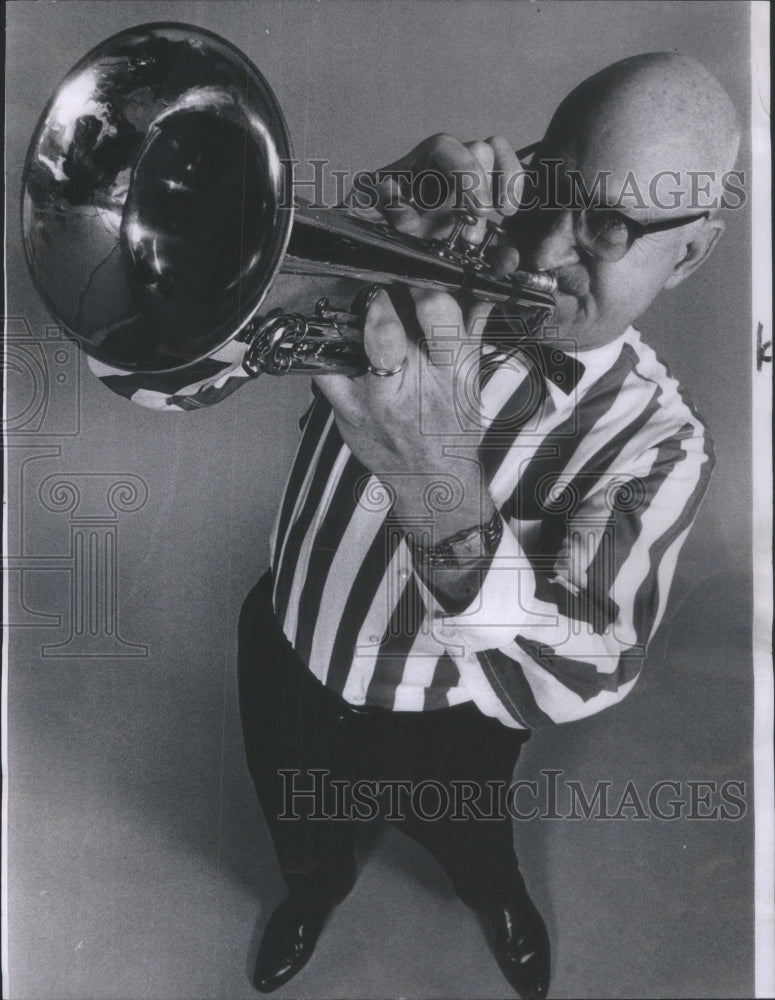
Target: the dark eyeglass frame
(635, 229)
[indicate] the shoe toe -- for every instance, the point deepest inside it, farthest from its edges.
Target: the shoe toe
(521, 946)
(287, 945)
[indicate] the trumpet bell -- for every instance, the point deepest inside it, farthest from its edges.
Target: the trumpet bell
(154, 210)
(157, 210)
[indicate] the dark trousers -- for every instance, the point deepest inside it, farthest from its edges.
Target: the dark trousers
(300, 736)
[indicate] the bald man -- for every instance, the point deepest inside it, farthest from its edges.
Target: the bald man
(478, 536)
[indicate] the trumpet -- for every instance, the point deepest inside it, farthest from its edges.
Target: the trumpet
(156, 218)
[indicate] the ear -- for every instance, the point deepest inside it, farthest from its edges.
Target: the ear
(696, 250)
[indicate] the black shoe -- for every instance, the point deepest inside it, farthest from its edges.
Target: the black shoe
(289, 940)
(521, 945)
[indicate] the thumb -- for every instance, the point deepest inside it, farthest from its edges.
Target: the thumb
(503, 260)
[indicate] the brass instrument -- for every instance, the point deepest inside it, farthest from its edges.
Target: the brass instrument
(156, 217)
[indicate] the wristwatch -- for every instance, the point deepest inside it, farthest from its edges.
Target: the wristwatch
(463, 549)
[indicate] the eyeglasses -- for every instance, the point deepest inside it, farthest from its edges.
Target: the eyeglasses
(603, 233)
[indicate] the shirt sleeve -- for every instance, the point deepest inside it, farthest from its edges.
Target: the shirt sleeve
(202, 384)
(551, 639)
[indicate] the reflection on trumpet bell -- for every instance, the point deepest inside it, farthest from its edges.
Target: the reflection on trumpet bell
(157, 213)
(153, 192)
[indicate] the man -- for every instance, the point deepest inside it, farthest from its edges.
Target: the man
(449, 574)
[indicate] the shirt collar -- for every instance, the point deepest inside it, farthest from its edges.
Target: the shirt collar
(557, 363)
(564, 366)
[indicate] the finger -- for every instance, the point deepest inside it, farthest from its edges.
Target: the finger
(441, 174)
(386, 347)
(476, 314)
(439, 318)
(384, 337)
(452, 348)
(485, 157)
(343, 394)
(395, 206)
(508, 176)
(503, 260)
(469, 184)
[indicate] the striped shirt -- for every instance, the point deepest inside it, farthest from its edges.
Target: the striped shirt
(597, 464)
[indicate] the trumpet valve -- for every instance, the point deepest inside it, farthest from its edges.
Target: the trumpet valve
(493, 229)
(456, 242)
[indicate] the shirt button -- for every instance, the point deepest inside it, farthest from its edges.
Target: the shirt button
(373, 638)
(404, 573)
(447, 633)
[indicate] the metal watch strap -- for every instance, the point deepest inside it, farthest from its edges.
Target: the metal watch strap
(463, 549)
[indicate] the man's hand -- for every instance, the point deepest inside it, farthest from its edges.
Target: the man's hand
(406, 428)
(418, 193)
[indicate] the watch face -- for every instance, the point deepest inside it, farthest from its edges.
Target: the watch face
(471, 547)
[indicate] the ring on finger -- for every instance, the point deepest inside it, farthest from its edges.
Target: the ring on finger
(387, 372)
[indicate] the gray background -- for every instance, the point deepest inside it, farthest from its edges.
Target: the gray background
(139, 864)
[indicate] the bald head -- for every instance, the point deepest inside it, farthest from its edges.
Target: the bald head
(649, 114)
(631, 169)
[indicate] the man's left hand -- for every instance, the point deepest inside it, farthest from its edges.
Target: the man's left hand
(406, 428)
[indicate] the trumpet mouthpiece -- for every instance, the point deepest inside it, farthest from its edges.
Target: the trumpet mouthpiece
(542, 281)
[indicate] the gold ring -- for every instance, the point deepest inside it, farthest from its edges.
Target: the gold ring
(387, 372)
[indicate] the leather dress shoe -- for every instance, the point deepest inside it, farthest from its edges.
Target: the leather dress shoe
(289, 940)
(520, 943)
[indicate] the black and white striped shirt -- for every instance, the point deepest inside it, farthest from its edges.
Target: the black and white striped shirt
(597, 464)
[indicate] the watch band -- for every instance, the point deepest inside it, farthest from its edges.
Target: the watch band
(463, 549)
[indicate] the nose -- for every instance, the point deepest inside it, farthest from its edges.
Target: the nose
(557, 246)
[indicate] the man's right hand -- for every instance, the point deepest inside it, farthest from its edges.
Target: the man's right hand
(483, 177)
